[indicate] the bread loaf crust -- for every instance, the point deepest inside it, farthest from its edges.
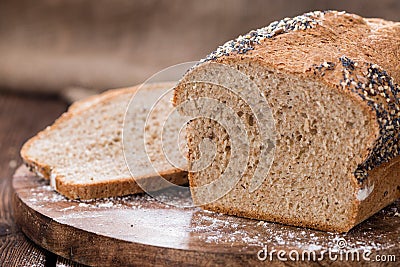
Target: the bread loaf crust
(357, 57)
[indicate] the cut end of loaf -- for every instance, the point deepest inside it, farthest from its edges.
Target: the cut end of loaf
(322, 136)
(334, 100)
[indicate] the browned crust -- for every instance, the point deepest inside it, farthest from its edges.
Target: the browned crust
(120, 187)
(386, 181)
(362, 40)
(94, 99)
(111, 188)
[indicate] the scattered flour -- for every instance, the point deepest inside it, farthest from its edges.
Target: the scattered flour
(216, 228)
(68, 208)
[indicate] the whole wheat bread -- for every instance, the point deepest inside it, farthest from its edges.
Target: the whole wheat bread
(82, 152)
(329, 79)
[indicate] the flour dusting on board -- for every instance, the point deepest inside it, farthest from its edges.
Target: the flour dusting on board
(214, 228)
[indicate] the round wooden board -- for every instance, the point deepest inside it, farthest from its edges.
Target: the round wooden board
(137, 230)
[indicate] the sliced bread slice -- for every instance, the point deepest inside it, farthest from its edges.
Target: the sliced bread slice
(329, 79)
(82, 153)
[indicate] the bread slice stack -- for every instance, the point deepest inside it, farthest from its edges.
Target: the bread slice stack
(82, 153)
(323, 136)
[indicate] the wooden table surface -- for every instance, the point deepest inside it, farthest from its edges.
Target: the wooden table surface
(21, 117)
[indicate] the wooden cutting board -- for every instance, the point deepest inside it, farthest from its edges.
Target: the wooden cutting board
(137, 230)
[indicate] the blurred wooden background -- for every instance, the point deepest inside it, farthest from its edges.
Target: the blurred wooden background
(50, 45)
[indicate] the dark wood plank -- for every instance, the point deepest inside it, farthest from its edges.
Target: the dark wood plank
(137, 230)
(20, 118)
(7, 225)
(16, 250)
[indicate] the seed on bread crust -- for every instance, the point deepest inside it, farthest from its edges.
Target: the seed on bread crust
(368, 80)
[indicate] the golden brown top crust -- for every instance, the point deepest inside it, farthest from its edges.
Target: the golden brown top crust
(315, 37)
(359, 56)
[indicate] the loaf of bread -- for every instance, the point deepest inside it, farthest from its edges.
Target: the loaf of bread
(323, 134)
(82, 153)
